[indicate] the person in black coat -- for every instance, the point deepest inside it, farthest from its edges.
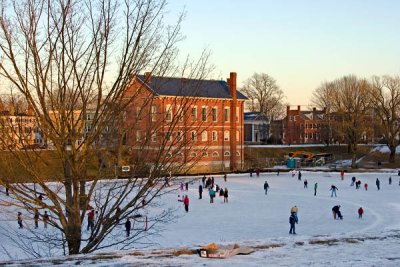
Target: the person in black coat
(128, 227)
(292, 222)
(378, 183)
(336, 212)
(200, 191)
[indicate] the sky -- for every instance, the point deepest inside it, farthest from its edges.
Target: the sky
(299, 43)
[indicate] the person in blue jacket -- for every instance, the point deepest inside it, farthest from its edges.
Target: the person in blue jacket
(212, 195)
(292, 222)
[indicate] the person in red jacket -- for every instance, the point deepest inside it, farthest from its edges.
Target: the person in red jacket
(360, 213)
(90, 220)
(186, 203)
(366, 186)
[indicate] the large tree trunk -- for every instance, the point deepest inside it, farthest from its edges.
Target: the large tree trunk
(73, 234)
(392, 155)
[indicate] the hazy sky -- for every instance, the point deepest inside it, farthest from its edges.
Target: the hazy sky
(300, 43)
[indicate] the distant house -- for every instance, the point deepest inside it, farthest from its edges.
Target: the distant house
(304, 127)
(199, 119)
(256, 128)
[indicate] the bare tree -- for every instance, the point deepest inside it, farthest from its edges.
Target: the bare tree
(264, 95)
(73, 63)
(385, 94)
(351, 101)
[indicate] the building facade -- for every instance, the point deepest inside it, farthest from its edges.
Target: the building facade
(256, 128)
(196, 122)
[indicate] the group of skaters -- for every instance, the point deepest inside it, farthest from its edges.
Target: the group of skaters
(36, 218)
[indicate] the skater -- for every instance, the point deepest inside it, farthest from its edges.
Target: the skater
(292, 222)
(226, 195)
(212, 181)
(358, 184)
(353, 180)
(390, 180)
(181, 186)
(294, 210)
(19, 220)
(315, 189)
(221, 192)
(204, 181)
(186, 186)
(90, 220)
(40, 197)
(293, 173)
(117, 213)
(305, 183)
(186, 203)
(166, 181)
(360, 213)
(266, 187)
(277, 172)
(217, 188)
(342, 174)
(333, 189)
(336, 212)
(211, 192)
(36, 218)
(225, 177)
(378, 183)
(366, 186)
(251, 172)
(128, 227)
(299, 176)
(45, 219)
(200, 191)
(258, 172)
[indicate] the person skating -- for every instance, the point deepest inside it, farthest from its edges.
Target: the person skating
(186, 186)
(128, 227)
(360, 212)
(342, 174)
(299, 176)
(204, 181)
(19, 220)
(258, 172)
(200, 191)
(378, 184)
(186, 203)
(315, 189)
(336, 212)
(390, 180)
(294, 210)
(221, 192)
(225, 177)
(266, 187)
(305, 183)
(353, 180)
(211, 192)
(45, 219)
(366, 186)
(251, 172)
(292, 222)
(90, 220)
(333, 189)
(226, 195)
(36, 218)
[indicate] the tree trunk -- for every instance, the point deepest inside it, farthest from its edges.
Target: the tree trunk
(73, 234)
(392, 155)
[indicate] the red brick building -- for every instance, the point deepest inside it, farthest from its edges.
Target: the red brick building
(303, 127)
(195, 122)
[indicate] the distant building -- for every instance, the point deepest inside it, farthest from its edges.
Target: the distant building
(256, 128)
(210, 129)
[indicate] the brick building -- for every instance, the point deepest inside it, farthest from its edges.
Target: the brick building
(304, 127)
(194, 121)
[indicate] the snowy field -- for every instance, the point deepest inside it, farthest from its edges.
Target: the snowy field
(254, 219)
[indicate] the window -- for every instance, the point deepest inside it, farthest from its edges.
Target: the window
(179, 113)
(153, 113)
(226, 114)
(179, 136)
(193, 136)
(137, 136)
(226, 136)
(214, 135)
(169, 155)
(168, 113)
(193, 154)
(237, 113)
(154, 137)
(204, 154)
(88, 117)
(168, 136)
(214, 114)
(204, 114)
(194, 113)
(204, 136)
(215, 154)
(227, 153)
(237, 153)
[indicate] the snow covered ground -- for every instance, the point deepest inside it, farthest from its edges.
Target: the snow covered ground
(254, 219)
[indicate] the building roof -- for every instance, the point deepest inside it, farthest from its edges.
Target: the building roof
(311, 115)
(255, 116)
(189, 87)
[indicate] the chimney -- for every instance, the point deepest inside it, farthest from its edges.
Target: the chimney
(287, 110)
(30, 111)
(11, 109)
(232, 84)
(148, 77)
(298, 108)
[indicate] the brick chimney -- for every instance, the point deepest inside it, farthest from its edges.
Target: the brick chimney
(148, 77)
(30, 110)
(233, 122)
